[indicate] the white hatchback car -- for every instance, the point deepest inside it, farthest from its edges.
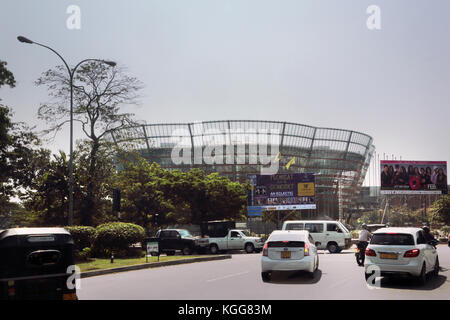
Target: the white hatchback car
(289, 251)
(401, 251)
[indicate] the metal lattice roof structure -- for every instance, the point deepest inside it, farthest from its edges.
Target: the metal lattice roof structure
(338, 157)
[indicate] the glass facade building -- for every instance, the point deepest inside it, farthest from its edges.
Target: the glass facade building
(233, 148)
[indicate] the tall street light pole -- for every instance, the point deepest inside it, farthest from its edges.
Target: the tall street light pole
(71, 76)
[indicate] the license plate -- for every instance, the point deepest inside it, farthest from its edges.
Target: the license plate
(392, 256)
(285, 254)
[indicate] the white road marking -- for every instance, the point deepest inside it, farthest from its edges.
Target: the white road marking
(228, 276)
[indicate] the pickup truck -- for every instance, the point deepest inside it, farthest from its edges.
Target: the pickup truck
(171, 240)
(235, 240)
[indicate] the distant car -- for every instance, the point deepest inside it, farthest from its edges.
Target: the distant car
(327, 234)
(171, 240)
(375, 227)
(289, 250)
(235, 240)
(401, 251)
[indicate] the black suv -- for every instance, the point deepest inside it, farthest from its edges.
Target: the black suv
(171, 240)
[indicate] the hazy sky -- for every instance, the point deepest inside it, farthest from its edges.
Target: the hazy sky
(311, 62)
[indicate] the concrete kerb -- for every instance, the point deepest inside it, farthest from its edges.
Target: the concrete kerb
(94, 273)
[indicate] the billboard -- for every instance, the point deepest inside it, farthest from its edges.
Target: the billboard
(281, 192)
(413, 177)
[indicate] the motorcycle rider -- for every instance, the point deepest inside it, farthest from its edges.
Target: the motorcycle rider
(429, 238)
(364, 238)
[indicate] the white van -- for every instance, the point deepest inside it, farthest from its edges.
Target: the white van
(327, 234)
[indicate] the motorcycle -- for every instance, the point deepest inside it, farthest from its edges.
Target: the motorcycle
(360, 251)
(434, 243)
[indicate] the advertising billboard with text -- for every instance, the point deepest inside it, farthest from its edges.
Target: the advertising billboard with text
(282, 192)
(413, 177)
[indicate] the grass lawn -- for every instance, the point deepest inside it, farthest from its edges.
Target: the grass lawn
(97, 264)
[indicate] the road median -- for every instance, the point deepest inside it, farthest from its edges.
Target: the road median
(100, 272)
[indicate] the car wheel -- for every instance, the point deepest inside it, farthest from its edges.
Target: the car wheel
(422, 279)
(214, 249)
(333, 248)
(266, 276)
(436, 267)
(187, 251)
(249, 248)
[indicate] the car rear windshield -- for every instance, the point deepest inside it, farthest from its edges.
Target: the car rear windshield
(392, 239)
(283, 244)
(294, 226)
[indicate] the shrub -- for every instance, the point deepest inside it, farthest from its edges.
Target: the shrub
(117, 237)
(84, 254)
(445, 230)
(354, 234)
(83, 237)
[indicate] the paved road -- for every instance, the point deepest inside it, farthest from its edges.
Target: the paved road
(239, 278)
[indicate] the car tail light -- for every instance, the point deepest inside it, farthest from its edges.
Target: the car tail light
(11, 289)
(370, 253)
(70, 296)
(306, 249)
(412, 253)
(265, 250)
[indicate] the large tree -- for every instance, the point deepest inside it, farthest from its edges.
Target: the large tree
(177, 197)
(99, 194)
(141, 187)
(19, 157)
(6, 76)
(99, 92)
(204, 196)
(441, 210)
(47, 198)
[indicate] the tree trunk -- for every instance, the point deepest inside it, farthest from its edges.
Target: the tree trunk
(89, 210)
(145, 221)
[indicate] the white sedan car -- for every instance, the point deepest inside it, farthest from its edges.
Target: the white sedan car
(289, 250)
(401, 251)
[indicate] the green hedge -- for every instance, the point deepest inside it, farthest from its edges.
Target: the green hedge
(83, 237)
(117, 236)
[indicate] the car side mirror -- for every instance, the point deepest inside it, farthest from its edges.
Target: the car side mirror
(318, 244)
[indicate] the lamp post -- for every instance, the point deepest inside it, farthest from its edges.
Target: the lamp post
(71, 75)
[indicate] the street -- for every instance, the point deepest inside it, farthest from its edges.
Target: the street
(338, 277)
